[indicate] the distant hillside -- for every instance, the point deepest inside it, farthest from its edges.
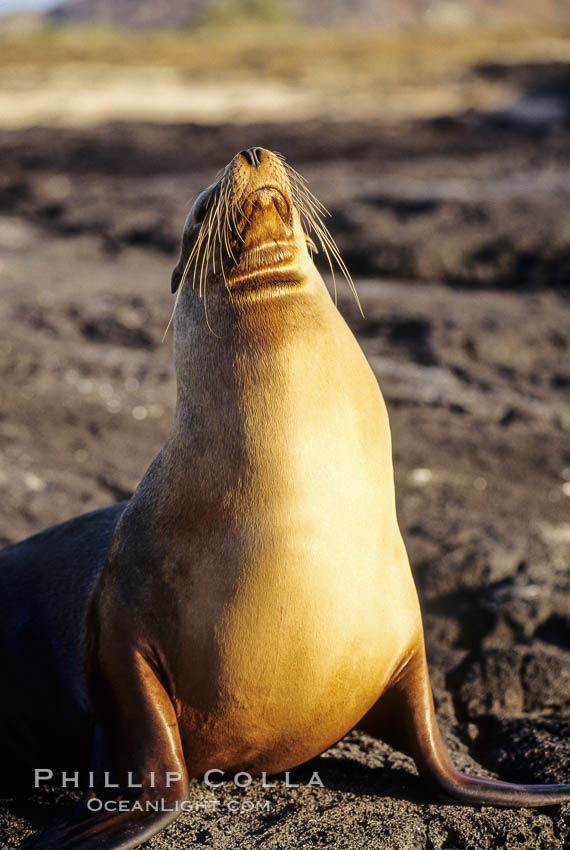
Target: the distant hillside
(385, 14)
(129, 13)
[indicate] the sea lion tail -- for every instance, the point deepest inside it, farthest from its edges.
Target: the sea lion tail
(412, 697)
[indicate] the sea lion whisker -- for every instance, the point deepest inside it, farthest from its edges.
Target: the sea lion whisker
(211, 219)
(312, 211)
(325, 238)
(192, 254)
(304, 200)
(173, 311)
(327, 255)
(226, 219)
(218, 235)
(235, 209)
(227, 233)
(227, 224)
(223, 243)
(220, 213)
(193, 258)
(312, 219)
(201, 249)
(217, 242)
(181, 286)
(307, 204)
(311, 207)
(221, 226)
(224, 197)
(211, 247)
(230, 223)
(244, 222)
(213, 237)
(301, 185)
(206, 253)
(206, 316)
(203, 265)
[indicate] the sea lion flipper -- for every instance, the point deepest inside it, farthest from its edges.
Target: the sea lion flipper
(412, 728)
(142, 728)
(110, 831)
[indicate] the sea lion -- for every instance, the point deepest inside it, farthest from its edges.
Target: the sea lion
(253, 601)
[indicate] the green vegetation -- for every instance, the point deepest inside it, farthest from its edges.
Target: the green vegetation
(245, 13)
(289, 53)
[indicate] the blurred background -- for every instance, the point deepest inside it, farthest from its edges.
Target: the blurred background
(438, 136)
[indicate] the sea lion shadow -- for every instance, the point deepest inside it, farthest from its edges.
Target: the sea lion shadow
(336, 773)
(36, 815)
(342, 773)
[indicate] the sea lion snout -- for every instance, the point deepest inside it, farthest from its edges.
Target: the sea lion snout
(259, 177)
(253, 156)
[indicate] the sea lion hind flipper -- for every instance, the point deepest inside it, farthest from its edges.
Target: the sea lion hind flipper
(142, 729)
(404, 716)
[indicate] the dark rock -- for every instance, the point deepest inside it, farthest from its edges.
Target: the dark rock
(108, 329)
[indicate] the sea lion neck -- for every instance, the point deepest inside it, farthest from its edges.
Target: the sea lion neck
(237, 375)
(211, 348)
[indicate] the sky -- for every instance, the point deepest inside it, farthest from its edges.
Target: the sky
(7, 6)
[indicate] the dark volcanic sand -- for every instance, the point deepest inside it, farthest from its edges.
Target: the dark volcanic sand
(476, 380)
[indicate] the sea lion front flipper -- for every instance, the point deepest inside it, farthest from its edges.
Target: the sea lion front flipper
(405, 717)
(143, 733)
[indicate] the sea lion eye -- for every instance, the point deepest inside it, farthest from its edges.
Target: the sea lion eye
(200, 210)
(202, 204)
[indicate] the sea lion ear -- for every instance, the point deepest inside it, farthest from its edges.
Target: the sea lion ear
(176, 278)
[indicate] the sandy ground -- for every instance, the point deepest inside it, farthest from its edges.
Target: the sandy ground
(85, 78)
(457, 231)
(80, 95)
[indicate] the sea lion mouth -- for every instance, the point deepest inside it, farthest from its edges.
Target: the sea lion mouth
(262, 197)
(264, 245)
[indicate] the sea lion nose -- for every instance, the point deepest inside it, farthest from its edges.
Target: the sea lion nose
(253, 156)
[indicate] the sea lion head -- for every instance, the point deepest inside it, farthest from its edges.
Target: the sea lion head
(247, 236)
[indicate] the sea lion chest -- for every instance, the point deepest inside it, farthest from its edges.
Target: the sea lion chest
(289, 604)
